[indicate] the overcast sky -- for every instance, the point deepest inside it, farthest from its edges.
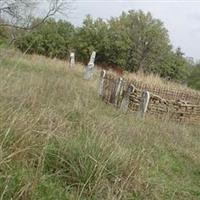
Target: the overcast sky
(181, 18)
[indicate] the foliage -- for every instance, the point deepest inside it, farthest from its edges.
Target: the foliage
(194, 77)
(142, 41)
(58, 140)
(52, 39)
(93, 35)
(175, 66)
(133, 41)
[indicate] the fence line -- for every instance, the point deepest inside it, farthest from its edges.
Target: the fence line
(131, 96)
(190, 96)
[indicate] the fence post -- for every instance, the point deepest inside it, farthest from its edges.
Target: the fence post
(145, 97)
(103, 74)
(72, 60)
(90, 67)
(125, 100)
(118, 89)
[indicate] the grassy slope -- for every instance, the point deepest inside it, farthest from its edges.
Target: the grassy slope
(58, 140)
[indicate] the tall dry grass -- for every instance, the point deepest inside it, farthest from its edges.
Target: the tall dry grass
(58, 140)
(155, 81)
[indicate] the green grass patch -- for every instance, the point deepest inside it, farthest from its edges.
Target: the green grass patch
(58, 140)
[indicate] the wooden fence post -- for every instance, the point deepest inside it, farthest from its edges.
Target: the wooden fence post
(118, 90)
(145, 97)
(102, 79)
(125, 100)
(90, 67)
(72, 60)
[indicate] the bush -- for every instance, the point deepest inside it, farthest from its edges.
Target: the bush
(193, 79)
(53, 39)
(133, 41)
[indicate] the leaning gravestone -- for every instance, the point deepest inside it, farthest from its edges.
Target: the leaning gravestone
(118, 89)
(125, 100)
(101, 84)
(144, 104)
(72, 60)
(90, 67)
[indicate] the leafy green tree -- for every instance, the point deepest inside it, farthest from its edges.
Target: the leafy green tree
(140, 42)
(133, 41)
(179, 66)
(194, 77)
(93, 35)
(53, 39)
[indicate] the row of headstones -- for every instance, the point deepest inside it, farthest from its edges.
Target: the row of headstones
(145, 96)
(89, 69)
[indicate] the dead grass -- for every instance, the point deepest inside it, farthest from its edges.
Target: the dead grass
(58, 140)
(154, 81)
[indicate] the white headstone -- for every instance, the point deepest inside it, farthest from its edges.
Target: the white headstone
(118, 89)
(90, 67)
(145, 97)
(72, 60)
(103, 74)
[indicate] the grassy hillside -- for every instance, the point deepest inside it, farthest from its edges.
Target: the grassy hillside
(58, 140)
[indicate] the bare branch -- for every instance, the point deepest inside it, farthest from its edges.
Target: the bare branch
(18, 14)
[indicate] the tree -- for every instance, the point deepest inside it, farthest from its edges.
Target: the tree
(133, 41)
(141, 40)
(18, 14)
(53, 39)
(93, 35)
(193, 79)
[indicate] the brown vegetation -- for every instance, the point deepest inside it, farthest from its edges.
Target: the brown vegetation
(58, 140)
